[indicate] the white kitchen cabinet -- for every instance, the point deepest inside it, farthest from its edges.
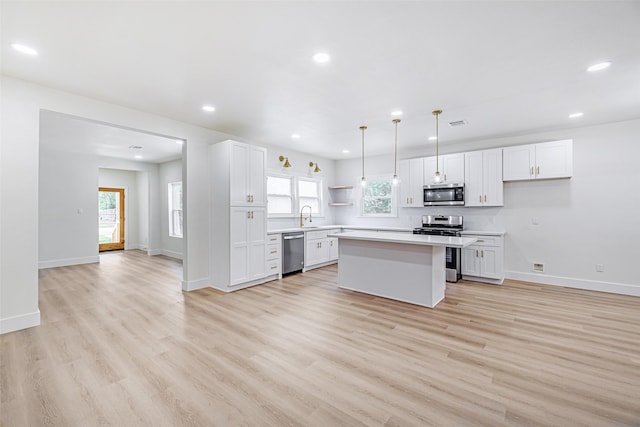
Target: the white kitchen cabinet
(545, 160)
(411, 174)
(484, 260)
(273, 255)
(483, 178)
(237, 215)
(247, 184)
(333, 248)
(320, 250)
(248, 244)
(451, 167)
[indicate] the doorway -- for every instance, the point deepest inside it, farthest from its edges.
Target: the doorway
(111, 219)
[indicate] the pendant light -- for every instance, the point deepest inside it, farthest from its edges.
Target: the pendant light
(363, 182)
(437, 179)
(395, 154)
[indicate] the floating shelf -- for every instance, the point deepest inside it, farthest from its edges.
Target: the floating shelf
(340, 204)
(340, 187)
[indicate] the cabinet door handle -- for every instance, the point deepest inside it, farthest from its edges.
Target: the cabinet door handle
(248, 198)
(479, 241)
(332, 243)
(485, 198)
(481, 254)
(274, 252)
(273, 267)
(480, 198)
(251, 214)
(538, 170)
(248, 215)
(445, 176)
(531, 173)
(477, 253)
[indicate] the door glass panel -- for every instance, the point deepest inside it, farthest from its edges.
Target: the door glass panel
(110, 219)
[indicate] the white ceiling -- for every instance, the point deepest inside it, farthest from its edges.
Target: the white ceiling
(506, 67)
(72, 134)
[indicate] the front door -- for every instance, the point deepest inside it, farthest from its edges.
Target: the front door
(111, 219)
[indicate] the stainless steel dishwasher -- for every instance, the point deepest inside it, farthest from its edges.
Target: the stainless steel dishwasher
(292, 252)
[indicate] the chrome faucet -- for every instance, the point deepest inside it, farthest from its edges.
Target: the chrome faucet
(304, 219)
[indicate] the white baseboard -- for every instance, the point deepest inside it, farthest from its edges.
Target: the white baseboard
(569, 282)
(68, 261)
(17, 323)
(152, 252)
(192, 285)
(171, 254)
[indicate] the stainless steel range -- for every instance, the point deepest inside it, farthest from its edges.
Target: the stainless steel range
(444, 225)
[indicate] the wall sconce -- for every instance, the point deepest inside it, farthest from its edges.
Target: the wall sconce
(317, 169)
(285, 160)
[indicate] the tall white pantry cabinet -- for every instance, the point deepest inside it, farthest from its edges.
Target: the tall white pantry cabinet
(238, 215)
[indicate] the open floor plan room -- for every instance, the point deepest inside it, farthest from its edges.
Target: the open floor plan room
(120, 344)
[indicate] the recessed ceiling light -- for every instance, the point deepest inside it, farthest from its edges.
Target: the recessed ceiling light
(433, 138)
(24, 49)
(295, 136)
(321, 57)
(575, 115)
(396, 113)
(208, 108)
(137, 156)
(599, 66)
(179, 141)
(346, 151)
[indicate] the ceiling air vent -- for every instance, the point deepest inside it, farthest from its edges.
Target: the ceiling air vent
(457, 123)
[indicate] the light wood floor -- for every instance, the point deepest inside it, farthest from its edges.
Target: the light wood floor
(120, 344)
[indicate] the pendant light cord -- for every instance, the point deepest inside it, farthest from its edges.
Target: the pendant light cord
(437, 113)
(395, 157)
(363, 128)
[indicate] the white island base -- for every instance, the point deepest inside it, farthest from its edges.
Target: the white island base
(408, 268)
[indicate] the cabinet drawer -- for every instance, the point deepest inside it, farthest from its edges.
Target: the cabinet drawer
(273, 251)
(273, 238)
(273, 267)
(485, 240)
(314, 235)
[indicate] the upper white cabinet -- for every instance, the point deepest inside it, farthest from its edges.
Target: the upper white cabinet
(483, 178)
(538, 161)
(247, 186)
(411, 182)
(451, 167)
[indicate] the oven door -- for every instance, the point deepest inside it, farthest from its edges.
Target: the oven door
(447, 195)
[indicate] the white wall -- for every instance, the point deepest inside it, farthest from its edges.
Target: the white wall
(300, 167)
(21, 103)
(128, 180)
(169, 172)
(594, 217)
(67, 209)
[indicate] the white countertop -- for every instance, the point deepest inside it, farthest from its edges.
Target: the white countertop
(334, 227)
(410, 239)
(483, 233)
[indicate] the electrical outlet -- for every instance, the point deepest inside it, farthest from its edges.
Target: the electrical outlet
(538, 267)
(600, 267)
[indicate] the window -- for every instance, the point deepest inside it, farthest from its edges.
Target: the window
(175, 209)
(378, 198)
(279, 195)
(310, 193)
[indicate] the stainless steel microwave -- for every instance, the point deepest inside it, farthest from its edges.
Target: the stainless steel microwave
(444, 195)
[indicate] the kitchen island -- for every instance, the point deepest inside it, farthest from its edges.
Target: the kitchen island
(400, 266)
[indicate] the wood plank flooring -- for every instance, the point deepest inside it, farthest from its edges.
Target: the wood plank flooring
(121, 345)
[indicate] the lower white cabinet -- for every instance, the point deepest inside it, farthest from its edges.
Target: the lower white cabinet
(484, 260)
(320, 250)
(248, 244)
(273, 256)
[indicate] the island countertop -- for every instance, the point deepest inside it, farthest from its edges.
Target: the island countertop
(411, 239)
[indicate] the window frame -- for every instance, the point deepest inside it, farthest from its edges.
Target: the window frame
(393, 197)
(172, 211)
(295, 205)
(293, 187)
